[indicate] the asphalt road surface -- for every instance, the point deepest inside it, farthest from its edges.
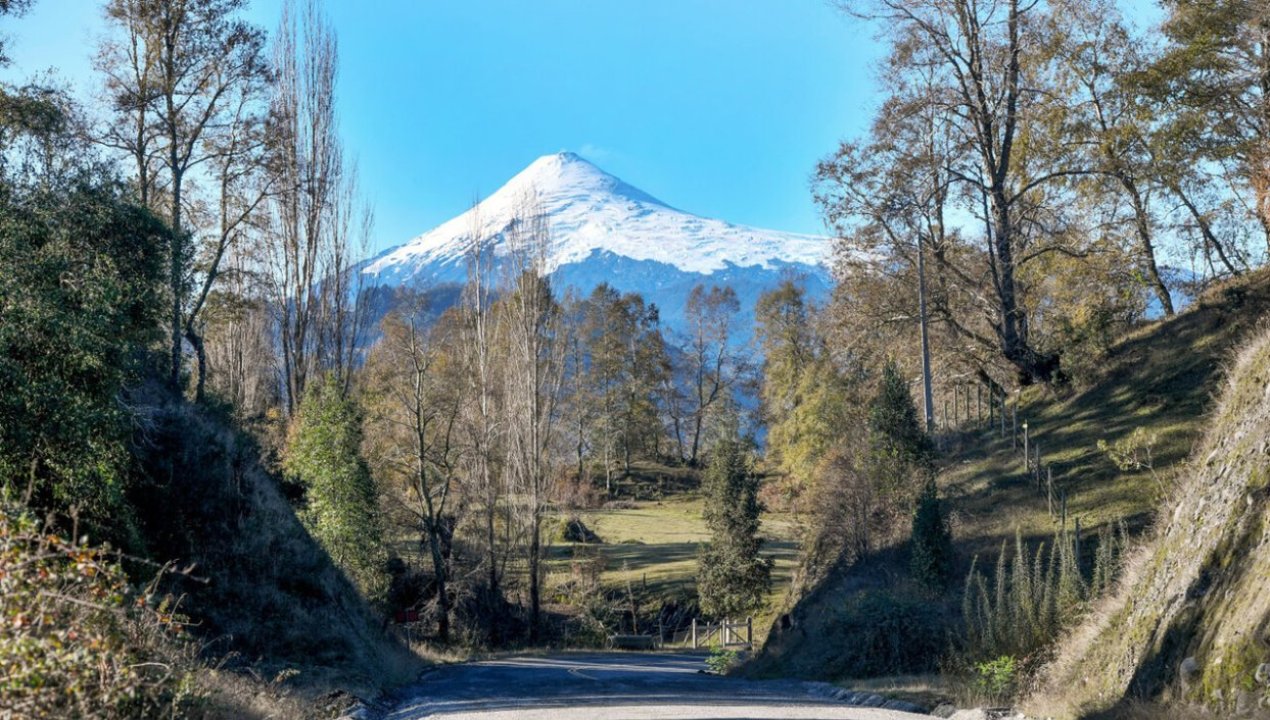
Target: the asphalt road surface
(613, 686)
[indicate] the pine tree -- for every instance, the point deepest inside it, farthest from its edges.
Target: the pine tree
(931, 556)
(732, 578)
(899, 447)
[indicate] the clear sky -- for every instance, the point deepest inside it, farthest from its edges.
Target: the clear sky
(718, 107)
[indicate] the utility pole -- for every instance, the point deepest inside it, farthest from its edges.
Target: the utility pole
(928, 402)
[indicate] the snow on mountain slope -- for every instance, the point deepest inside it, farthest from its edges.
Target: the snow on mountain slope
(603, 229)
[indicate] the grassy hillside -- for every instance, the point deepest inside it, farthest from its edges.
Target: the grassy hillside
(1192, 618)
(272, 613)
(1160, 380)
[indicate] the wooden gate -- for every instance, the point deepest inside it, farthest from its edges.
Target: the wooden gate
(726, 634)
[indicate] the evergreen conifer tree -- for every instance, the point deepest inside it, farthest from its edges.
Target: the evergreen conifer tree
(931, 555)
(732, 578)
(895, 433)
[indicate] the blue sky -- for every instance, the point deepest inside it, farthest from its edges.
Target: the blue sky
(719, 107)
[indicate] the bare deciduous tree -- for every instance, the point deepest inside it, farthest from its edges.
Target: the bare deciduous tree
(482, 416)
(312, 209)
(415, 392)
(182, 77)
(714, 365)
(534, 379)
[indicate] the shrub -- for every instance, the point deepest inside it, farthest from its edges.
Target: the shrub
(887, 633)
(573, 530)
(341, 507)
(76, 640)
(80, 280)
(721, 659)
(995, 679)
(1136, 453)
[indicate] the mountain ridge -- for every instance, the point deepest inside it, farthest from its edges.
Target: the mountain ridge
(601, 225)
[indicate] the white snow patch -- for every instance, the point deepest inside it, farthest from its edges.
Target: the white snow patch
(588, 210)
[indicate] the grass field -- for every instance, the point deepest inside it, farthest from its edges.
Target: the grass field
(654, 544)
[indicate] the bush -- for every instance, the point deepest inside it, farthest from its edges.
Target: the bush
(722, 659)
(573, 530)
(80, 295)
(341, 508)
(887, 633)
(77, 641)
(995, 679)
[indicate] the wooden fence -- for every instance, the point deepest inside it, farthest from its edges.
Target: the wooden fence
(726, 633)
(986, 408)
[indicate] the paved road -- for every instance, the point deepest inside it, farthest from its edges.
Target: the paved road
(609, 686)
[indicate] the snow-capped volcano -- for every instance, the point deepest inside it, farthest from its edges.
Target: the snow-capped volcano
(603, 229)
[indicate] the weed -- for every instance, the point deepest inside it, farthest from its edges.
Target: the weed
(722, 659)
(995, 679)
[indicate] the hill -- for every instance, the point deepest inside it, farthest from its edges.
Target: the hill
(278, 622)
(1159, 382)
(1191, 621)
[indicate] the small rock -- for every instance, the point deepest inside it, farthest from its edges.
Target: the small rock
(1188, 669)
(1263, 673)
(944, 711)
(1246, 702)
(972, 714)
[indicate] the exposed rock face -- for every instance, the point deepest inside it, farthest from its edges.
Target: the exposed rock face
(1192, 618)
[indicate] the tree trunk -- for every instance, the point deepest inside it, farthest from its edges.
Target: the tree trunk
(491, 538)
(1033, 367)
(1261, 155)
(696, 436)
(177, 279)
(196, 342)
(535, 592)
(1143, 227)
(439, 571)
(928, 402)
